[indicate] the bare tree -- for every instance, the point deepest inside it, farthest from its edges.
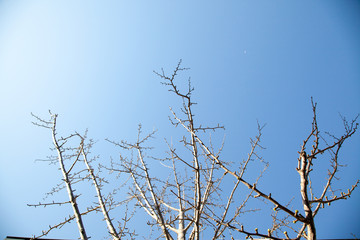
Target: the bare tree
(186, 203)
(311, 203)
(200, 195)
(69, 158)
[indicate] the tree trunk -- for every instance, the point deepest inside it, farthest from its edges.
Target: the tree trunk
(303, 171)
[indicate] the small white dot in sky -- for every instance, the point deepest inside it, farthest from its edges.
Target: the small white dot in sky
(244, 51)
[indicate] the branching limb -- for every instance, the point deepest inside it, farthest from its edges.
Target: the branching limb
(48, 204)
(67, 181)
(60, 225)
(102, 205)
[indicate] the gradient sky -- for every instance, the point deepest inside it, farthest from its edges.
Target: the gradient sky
(92, 61)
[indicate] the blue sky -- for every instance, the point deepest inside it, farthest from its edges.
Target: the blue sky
(92, 63)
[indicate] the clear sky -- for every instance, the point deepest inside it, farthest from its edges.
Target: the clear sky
(92, 61)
